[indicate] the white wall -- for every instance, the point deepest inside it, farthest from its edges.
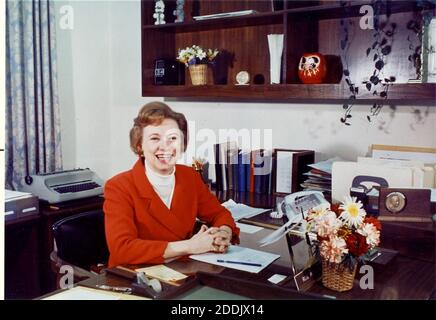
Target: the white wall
(100, 94)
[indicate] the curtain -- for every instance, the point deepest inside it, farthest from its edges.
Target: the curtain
(32, 141)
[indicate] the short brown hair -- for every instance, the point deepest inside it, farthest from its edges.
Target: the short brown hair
(153, 113)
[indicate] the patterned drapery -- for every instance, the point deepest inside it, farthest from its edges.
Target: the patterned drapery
(33, 143)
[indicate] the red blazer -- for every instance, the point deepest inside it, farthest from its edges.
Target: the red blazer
(139, 225)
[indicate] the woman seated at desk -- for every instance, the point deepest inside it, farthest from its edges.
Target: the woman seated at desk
(151, 210)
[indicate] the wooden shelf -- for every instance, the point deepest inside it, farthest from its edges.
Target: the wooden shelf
(308, 26)
(219, 23)
(397, 92)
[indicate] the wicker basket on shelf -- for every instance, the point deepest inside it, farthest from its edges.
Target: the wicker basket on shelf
(198, 74)
(337, 277)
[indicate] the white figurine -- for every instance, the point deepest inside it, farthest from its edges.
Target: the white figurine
(179, 13)
(159, 9)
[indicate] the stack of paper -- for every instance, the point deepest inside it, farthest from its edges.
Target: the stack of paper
(240, 210)
(84, 293)
(239, 258)
(11, 195)
(319, 178)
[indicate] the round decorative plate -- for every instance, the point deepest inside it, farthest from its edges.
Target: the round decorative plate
(243, 77)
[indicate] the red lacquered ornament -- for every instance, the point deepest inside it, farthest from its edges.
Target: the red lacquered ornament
(312, 68)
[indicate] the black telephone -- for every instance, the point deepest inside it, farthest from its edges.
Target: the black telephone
(367, 189)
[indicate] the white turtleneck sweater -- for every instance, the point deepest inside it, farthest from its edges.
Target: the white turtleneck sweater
(162, 184)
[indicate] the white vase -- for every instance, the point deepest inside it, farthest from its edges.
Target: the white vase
(275, 44)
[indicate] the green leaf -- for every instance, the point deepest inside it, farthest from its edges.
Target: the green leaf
(379, 65)
(386, 50)
(374, 80)
(345, 106)
(383, 94)
(346, 73)
(368, 86)
(368, 51)
(375, 57)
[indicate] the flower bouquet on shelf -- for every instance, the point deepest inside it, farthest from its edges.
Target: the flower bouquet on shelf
(344, 235)
(196, 59)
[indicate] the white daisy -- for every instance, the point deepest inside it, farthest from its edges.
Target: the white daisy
(353, 213)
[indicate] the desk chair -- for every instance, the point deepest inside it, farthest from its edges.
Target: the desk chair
(81, 243)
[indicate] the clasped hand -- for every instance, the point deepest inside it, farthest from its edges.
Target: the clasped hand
(210, 239)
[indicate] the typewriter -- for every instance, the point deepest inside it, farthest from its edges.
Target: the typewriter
(65, 185)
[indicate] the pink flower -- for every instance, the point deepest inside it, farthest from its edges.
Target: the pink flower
(333, 249)
(327, 225)
(371, 233)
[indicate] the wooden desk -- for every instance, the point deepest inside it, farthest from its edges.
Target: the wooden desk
(49, 215)
(403, 278)
(411, 275)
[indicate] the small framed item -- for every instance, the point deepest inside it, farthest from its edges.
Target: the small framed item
(242, 78)
(289, 167)
(168, 72)
(401, 204)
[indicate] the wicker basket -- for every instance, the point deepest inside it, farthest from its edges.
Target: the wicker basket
(198, 74)
(337, 277)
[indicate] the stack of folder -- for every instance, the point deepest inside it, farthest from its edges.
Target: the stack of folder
(319, 178)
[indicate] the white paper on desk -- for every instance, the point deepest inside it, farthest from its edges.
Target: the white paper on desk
(248, 228)
(237, 253)
(11, 195)
(343, 174)
(423, 176)
(325, 165)
(240, 210)
(82, 293)
(279, 233)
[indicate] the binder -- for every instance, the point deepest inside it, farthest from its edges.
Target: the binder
(289, 166)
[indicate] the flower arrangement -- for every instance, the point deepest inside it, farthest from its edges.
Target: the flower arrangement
(196, 55)
(344, 233)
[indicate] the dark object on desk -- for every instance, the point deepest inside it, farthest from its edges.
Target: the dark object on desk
(80, 239)
(296, 163)
(264, 220)
(366, 190)
(168, 72)
(408, 205)
(168, 291)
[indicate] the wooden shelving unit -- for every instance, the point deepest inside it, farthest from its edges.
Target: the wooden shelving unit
(308, 26)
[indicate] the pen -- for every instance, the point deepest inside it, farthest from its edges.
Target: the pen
(241, 262)
(376, 256)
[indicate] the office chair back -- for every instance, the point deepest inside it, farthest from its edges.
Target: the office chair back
(81, 240)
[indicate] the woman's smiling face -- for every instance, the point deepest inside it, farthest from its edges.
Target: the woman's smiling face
(162, 146)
